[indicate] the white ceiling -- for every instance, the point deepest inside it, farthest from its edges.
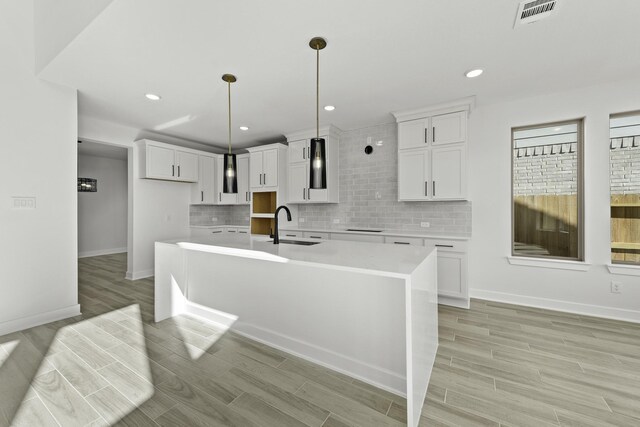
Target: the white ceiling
(88, 148)
(382, 56)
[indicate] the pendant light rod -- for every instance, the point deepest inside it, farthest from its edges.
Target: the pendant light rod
(229, 78)
(318, 43)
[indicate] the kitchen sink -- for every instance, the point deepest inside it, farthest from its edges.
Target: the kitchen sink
(296, 242)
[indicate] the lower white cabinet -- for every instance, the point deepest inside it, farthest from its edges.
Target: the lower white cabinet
(368, 238)
(416, 241)
(289, 234)
(315, 235)
(453, 288)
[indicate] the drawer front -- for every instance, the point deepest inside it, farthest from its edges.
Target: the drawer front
(314, 235)
(445, 245)
(404, 241)
(286, 233)
(368, 238)
(243, 230)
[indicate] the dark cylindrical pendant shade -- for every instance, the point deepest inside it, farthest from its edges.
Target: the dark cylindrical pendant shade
(230, 174)
(318, 169)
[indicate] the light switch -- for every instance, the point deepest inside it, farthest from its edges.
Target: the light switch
(23, 202)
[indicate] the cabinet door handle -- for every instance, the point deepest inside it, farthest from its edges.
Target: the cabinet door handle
(315, 237)
(433, 190)
(202, 196)
(303, 153)
(291, 235)
(444, 246)
(304, 194)
(173, 170)
(433, 134)
(178, 171)
(308, 194)
(426, 135)
(401, 243)
(265, 178)
(219, 197)
(426, 188)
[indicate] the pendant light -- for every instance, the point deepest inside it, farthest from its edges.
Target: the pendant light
(318, 153)
(230, 178)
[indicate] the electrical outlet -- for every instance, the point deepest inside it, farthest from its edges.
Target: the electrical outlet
(214, 219)
(616, 287)
(23, 202)
(378, 195)
(425, 224)
(336, 221)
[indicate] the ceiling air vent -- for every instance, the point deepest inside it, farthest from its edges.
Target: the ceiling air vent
(534, 10)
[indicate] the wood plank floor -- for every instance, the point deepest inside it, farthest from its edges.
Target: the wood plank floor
(497, 365)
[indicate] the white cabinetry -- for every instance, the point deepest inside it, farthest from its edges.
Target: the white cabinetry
(299, 162)
(244, 196)
(204, 192)
(263, 166)
(413, 174)
(432, 153)
(167, 162)
(452, 271)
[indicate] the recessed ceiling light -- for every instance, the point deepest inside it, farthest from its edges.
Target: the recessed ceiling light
(244, 128)
(153, 96)
(329, 107)
(473, 73)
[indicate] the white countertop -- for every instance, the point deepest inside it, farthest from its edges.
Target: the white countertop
(374, 232)
(219, 226)
(378, 258)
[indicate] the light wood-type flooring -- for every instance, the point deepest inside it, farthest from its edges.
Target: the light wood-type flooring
(497, 364)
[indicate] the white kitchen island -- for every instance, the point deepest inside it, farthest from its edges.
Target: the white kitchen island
(367, 310)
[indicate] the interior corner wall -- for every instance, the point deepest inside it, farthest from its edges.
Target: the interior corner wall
(490, 274)
(102, 215)
(38, 130)
(159, 211)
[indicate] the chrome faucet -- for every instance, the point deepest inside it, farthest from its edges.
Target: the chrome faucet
(276, 239)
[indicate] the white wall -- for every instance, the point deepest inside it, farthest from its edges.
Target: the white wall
(38, 126)
(160, 211)
(490, 275)
(102, 216)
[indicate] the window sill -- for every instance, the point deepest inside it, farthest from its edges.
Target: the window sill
(626, 270)
(549, 263)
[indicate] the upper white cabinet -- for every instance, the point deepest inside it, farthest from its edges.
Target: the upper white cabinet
(244, 196)
(449, 128)
(413, 134)
(187, 166)
(299, 162)
(432, 152)
(167, 162)
(210, 185)
(204, 191)
(267, 167)
(413, 175)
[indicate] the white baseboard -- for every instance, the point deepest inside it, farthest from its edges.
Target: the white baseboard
(373, 375)
(87, 254)
(137, 275)
(454, 302)
(559, 305)
(38, 319)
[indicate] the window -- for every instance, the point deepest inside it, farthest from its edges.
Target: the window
(624, 183)
(547, 191)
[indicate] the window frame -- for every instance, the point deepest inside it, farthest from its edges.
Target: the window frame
(579, 122)
(612, 263)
